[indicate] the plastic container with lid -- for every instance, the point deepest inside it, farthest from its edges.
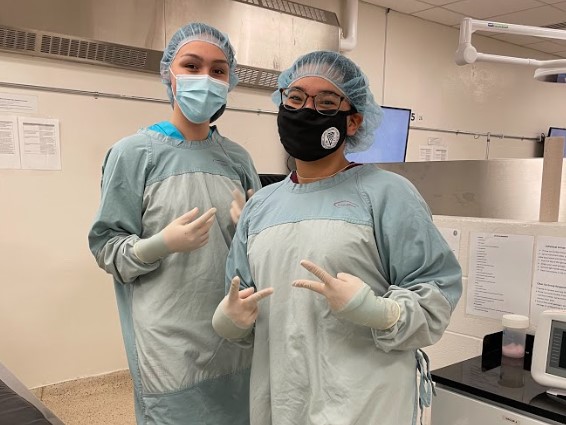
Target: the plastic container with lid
(514, 335)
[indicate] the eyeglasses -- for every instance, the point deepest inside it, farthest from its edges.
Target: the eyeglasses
(325, 103)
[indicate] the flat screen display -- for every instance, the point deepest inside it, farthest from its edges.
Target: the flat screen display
(556, 356)
(390, 139)
(558, 132)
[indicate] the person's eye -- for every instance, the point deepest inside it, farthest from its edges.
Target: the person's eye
(219, 71)
(191, 67)
(328, 101)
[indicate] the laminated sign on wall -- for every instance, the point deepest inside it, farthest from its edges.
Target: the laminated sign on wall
(500, 274)
(29, 143)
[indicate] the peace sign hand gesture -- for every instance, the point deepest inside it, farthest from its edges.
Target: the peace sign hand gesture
(238, 311)
(338, 290)
(187, 232)
(351, 298)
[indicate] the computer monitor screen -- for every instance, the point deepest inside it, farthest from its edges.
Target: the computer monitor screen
(558, 132)
(390, 138)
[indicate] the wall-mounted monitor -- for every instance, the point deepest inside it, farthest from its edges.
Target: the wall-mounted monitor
(558, 132)
(390, 138)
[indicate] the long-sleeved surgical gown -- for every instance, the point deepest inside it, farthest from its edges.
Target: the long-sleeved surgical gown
(183, 373)
(309, 366)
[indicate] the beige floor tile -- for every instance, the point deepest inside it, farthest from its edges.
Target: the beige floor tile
(102, 400)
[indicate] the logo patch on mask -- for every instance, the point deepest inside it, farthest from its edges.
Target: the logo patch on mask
(330, 138)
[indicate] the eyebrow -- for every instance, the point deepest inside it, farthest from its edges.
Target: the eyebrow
(192, 55)
(322, 91)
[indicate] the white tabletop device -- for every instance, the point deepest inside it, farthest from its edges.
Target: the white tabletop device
(548, 366)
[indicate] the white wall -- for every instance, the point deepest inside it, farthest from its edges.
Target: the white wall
(463, 338)
(480, 98)
(58, 318)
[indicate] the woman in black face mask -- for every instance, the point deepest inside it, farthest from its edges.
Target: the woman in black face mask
(383, 281)
(314, 119)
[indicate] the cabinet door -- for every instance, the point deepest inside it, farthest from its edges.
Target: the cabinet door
(449, 408)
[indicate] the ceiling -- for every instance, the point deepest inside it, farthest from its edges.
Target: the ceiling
(536, 13)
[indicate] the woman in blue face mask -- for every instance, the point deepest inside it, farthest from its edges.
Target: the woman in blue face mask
(381, 281)
(163, 231)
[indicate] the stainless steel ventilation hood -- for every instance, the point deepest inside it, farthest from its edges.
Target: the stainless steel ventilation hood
(131, 34)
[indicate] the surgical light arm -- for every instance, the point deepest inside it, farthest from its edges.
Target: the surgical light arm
(467, 53)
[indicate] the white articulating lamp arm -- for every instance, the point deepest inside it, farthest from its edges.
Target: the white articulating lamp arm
(467, 53)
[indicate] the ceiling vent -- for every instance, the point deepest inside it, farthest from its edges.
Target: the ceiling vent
(57, 46)
(268, 35)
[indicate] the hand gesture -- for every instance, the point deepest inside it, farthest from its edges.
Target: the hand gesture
(338, 290)
(242, 306)
(238, 203)
(187, 233)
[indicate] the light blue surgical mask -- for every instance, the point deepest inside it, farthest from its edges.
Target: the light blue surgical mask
(200, 97)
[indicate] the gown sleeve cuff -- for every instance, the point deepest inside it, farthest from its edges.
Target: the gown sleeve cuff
(225, 327)
(151, 249)
(367, 309)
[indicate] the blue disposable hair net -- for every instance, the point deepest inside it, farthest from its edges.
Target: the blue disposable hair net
(349, 79)
(196, 31)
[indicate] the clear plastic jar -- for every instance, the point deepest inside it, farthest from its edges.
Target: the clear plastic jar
(514, 335)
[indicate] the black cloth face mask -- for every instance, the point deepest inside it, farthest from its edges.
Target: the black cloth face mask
(308, 136)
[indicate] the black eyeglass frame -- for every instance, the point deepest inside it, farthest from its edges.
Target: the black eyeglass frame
(334, 111)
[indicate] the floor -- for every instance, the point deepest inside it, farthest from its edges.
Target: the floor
(102, 400)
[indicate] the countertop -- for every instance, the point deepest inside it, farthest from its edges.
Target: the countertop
(515, 389)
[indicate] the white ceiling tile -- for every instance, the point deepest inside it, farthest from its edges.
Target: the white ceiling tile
(561, 5)
(403, 6)
(521, 40)
(482, 9)
(536, 13)
(440, 15)
(444, 2)
(541, 16)
(547, 46)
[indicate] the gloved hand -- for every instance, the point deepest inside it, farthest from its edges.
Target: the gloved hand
(185, 233)
(351, 298)
(237, 312)
(238, 203)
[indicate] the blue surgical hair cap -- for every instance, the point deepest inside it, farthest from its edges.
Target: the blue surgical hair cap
(349, 79)
(196, 31)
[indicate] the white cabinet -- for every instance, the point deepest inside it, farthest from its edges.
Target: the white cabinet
(476, 392)
(452, 408)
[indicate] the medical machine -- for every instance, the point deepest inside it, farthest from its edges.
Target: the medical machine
(548, 366)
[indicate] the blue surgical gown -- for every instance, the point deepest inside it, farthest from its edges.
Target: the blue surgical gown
(183, 373)
(309, 366)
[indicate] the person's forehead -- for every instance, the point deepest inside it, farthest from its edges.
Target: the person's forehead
(313, 85)
(202, 49)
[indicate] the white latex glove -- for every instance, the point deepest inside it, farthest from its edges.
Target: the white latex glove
(185, 233)
(351, 298)
(237, 312)
(238, 203)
